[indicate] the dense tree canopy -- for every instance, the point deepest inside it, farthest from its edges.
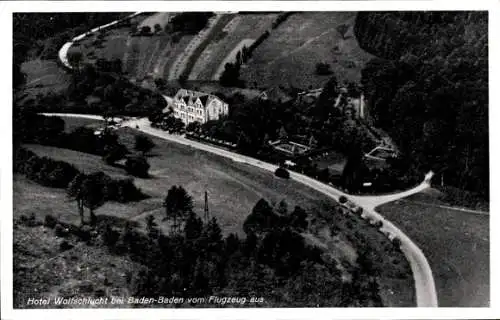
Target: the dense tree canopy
(429, 89)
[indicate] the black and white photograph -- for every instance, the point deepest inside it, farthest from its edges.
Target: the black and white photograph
(250, 159)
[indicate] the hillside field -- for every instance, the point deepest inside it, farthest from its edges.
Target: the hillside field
(141, 56)
(43, 77)
(456, 245)
(243, 28)
(80, 270)
(289, 56)
(233, 189)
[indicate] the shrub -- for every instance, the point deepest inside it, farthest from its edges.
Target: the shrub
(157, 28)
(143, 144)
(358, 210)
(323, 69)
(378, 224)
(137, 166)
(100, 293)
(84, 233)
(298, 218)
(50, 221)
(262, 219)
(190, 22)
(127, 191)
(114, 153)
(343, 199)
(65, 245)
(29, 221)
(282, 173)
(396, 242)
(109, 235)
(60, 231)
(145, 31)
(44, 170)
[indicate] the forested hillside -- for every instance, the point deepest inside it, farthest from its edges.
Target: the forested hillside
(429, 89)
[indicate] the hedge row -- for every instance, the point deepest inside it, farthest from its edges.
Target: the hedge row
(59, 174)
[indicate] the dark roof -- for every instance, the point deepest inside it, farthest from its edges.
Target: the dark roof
(204, 99)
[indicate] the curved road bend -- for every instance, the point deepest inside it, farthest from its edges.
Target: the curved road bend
(422, 273)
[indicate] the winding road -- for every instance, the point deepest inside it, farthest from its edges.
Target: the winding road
(422, 273)
(426, 295)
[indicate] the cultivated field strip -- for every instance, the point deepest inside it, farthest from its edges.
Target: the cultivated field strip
(243, 29)
(182, 60)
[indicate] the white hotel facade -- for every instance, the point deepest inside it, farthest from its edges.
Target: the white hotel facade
(191, 106)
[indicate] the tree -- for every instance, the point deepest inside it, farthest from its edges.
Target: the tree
(193, 226)
(354, 169)
(133, 30)
(152, 226)
(74, 191)
(342, 30)
(323, 69)
(114, 153)
(146, 31)
(201, 278)
(178, 126)
(282, 173)
(143, 144)
(298, 219)
(157, 28)
(137, 166)
(212, 234)
(282, 134)
(250, 244)
(262, 219)
(85, 139)
(93, 193)
(326, 100)
(178, 203)
(230, 76)
(282, 208)
(238, 58)
(324, 175)
(232, 244)
(194, 126)
(75, 58)
(244, 54)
